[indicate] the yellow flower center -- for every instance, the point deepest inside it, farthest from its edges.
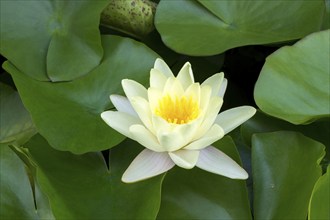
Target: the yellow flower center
(177, 110)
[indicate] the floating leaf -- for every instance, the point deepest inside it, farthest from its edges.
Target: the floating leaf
(207, 27)
(294, 83)
(67, 114)
(285, 167)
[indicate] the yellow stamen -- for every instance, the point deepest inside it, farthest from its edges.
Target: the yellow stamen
(177, 110)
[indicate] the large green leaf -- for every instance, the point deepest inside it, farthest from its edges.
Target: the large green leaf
(204, 27)
(67, 114)
(82, 187)
(285, 167)
(197, 194)
(17, 200)
(294, 83)
(52, 40)
(15, 122)
(319, 206)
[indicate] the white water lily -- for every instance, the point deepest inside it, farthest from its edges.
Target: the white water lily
(176, 120)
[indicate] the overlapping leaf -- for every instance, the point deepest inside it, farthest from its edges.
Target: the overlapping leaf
(294, 83)
(67, 114)
(81, 186)
(204, 27)
(196, 194)
(52, 40)
(285, 167)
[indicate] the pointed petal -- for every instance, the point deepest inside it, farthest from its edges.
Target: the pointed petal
(146, 165)
(154, 95)
(173, 87)
(144, 137)
(215, 82)
(185, 158)
(185, 76)
(223, 88)
(193, 91)
(133, 88)
(157, 79)
(213, 160)
(163, 67)
(209, 116)
(122, 104)
(142, 108)
(215, 133)
(120, 121)
(232, 118)
(173, 137)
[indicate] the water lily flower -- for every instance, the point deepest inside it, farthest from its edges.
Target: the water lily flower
(176, 119)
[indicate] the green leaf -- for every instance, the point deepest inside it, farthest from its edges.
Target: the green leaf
(52, 40)
(320, 201)
(285, 167)
(17, 195)
(15, 122)
(82, 187)
(67, 114)
(207, 27)
(197, 194)
(294, 82)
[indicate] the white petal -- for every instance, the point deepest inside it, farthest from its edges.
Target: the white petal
(215, 133)
(223, 87)
(209, 116)
(157, 79)
(173, 87)
(154, 95)
(142, 108)
(185, 158)
(147, 164)
(194, 91)
(145, 138)
(122, 104)
(185, 76)
(232, 118)
(120, 121)
(163, 67)
(215, 82)
(213, 160)
(133, 88)
(172, 136)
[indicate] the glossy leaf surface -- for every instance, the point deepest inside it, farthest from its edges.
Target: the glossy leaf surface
(67, 114)
(82, 187)
(294, 83)
(204, 27)
(285, 167)
(197, 194)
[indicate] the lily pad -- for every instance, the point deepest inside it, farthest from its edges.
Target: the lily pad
(82, 187)
(196, 194)
(52, 40)
(204, 27)
(285, 167)
(67, 114)
(294, 83)
(15, 126)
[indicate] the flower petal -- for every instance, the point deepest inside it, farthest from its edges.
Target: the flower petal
(209, 116)
(215, 82)
(212, 135)
(223, 88)
(232, 118)
(185, 76)
(142, 108)
(173, 87)
(157, 79)
(163, 67)
(174, 136)
(147, 164)
(122, 104)
(144, 137)
(133, 88)
(213, 160)
(185, 158)
(154, 95)
(120, 121)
